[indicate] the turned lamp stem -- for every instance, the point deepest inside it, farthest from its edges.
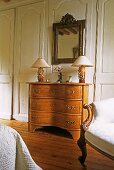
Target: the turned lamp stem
(40, 74)
(81, 74)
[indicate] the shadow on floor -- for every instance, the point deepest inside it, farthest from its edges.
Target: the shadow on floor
(55, 131)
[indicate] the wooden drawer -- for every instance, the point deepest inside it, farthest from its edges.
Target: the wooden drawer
(47, 105)
(73, 92)
(61, 120)
(41, 118)
(47, 91)
(73, 107)
(68, 121)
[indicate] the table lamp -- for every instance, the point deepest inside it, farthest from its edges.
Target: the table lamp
(40, 63)
(82, 62)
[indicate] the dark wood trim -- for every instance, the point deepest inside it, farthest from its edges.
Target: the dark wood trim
(67, 25)
(82, 145)
(87, 122)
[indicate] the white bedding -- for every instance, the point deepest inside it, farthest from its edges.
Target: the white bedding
(14, 154)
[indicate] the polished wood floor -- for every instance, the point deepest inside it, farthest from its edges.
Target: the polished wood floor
(54, 149)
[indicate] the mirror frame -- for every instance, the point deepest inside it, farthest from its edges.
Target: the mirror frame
(67, 22)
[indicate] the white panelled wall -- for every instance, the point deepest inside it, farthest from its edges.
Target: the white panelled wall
(29, 30)
(26, 33)
(105, 50)
(6, 62)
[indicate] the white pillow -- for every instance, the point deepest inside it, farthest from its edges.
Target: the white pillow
(104, 109)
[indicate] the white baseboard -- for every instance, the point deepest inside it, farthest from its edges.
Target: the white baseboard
(21, 117)
(5, 116)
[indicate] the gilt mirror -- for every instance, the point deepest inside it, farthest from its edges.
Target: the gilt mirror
(68, 39)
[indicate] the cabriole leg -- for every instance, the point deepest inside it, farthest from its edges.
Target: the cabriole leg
(82, 145)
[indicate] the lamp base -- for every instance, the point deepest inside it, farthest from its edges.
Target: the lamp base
(81, 74)
(81, 81)
(40, 75)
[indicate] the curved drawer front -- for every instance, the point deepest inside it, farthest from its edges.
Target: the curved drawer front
(41, 118)
(73, 92)
(74, 107)
(64, 121)
(69, 122)
(47, 105)
(47, 91)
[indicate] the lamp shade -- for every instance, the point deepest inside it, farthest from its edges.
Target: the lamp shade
(82, 61)
(40, 62)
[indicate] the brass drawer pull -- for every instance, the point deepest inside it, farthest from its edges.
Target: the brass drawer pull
(70, 91)
(52, 105)
(34, 117)
(34, 90)
(35, 106)
(53, 92)
(70, 122)
(70, 107)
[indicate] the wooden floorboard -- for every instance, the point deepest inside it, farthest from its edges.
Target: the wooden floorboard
(54, 149)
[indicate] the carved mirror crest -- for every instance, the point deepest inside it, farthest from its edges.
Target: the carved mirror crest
(68, 39)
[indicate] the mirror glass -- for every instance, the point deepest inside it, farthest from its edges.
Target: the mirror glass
(68, 45)
(68, 39)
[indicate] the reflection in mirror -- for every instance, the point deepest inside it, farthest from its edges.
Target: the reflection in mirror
(68, 45)
(68, 39)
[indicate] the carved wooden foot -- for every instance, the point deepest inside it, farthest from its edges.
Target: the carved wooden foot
(82, 145)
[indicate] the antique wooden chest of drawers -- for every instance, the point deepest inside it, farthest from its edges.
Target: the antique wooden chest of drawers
(57, 104)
